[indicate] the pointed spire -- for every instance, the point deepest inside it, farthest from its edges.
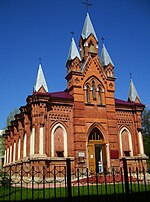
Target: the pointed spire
(40, 81)
(105, 58)
(73, 51)
(88, 28)
(133, 95)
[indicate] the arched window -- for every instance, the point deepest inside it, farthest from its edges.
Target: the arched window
(125, 142)
(87, 94)
(91, 47)
(59, 141)
(99, 95)
(95, 135)
(93, 90)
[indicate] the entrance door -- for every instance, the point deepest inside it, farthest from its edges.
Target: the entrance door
(98, 158)
(96, 151)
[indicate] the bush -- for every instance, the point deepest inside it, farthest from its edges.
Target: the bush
(5, 180)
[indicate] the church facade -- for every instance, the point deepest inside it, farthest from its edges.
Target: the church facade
(85, 123)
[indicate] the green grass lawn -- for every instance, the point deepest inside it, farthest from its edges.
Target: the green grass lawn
(84, 193)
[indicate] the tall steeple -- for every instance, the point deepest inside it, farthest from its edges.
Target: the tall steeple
(40, 85)
(73, 51)
(74, 59)
(88, 40)
(88, 28)
(133, 95)
(105, 57)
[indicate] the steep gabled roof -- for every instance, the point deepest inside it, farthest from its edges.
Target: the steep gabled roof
(73, 51)
(40, 81)
(105, 57)
(88, 28)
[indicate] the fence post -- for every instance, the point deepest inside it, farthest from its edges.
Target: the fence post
(126, 179)
(68, 162)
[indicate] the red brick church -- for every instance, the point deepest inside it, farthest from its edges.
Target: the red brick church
(84, 122)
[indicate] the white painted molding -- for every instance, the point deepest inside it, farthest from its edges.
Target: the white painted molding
(14, 152)
(65, 139)
(25, 146)
(19, 149)
(140, 141)
(41, 141)
(32, 144)
(129, 138)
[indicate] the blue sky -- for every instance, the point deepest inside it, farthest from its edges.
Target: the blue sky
(41, 28)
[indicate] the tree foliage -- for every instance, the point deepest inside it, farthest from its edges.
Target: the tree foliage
(11, 117)
(146, 131)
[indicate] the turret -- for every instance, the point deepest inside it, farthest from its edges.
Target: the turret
(107, 62)
(88, 40)
(40, 85)
(133, 95)
(74, 59)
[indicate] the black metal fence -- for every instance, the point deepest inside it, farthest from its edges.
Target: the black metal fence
(42, 183)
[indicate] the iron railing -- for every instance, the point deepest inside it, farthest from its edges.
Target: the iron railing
(59, 183)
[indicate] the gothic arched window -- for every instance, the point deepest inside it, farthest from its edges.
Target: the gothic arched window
(87, 94)
(95, 135)
(59, 141)
(93, 90)
(125, 142)
(99, 95)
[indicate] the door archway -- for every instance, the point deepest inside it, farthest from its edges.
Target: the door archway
(96, 151)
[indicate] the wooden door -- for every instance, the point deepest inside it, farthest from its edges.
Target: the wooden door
(91, 152)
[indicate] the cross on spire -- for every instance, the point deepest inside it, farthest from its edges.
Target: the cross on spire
(72, 33)
(130, 75)
(102, 40)
(40, 60)
(87, 4)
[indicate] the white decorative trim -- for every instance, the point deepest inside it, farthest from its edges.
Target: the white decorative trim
(32, 141)
(10, 159)
(25, 146)
(140, 141)
(86, 44)
(65, 139)
(14, 152)
(129, 138)
(87, 155)
(7, 155)
(41, 141)
(19, 149)
(108, 156)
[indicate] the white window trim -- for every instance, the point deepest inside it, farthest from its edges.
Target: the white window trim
(129, 138)
(64, 136)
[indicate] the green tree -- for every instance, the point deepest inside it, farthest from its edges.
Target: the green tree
(11, 117)
(146, 131)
